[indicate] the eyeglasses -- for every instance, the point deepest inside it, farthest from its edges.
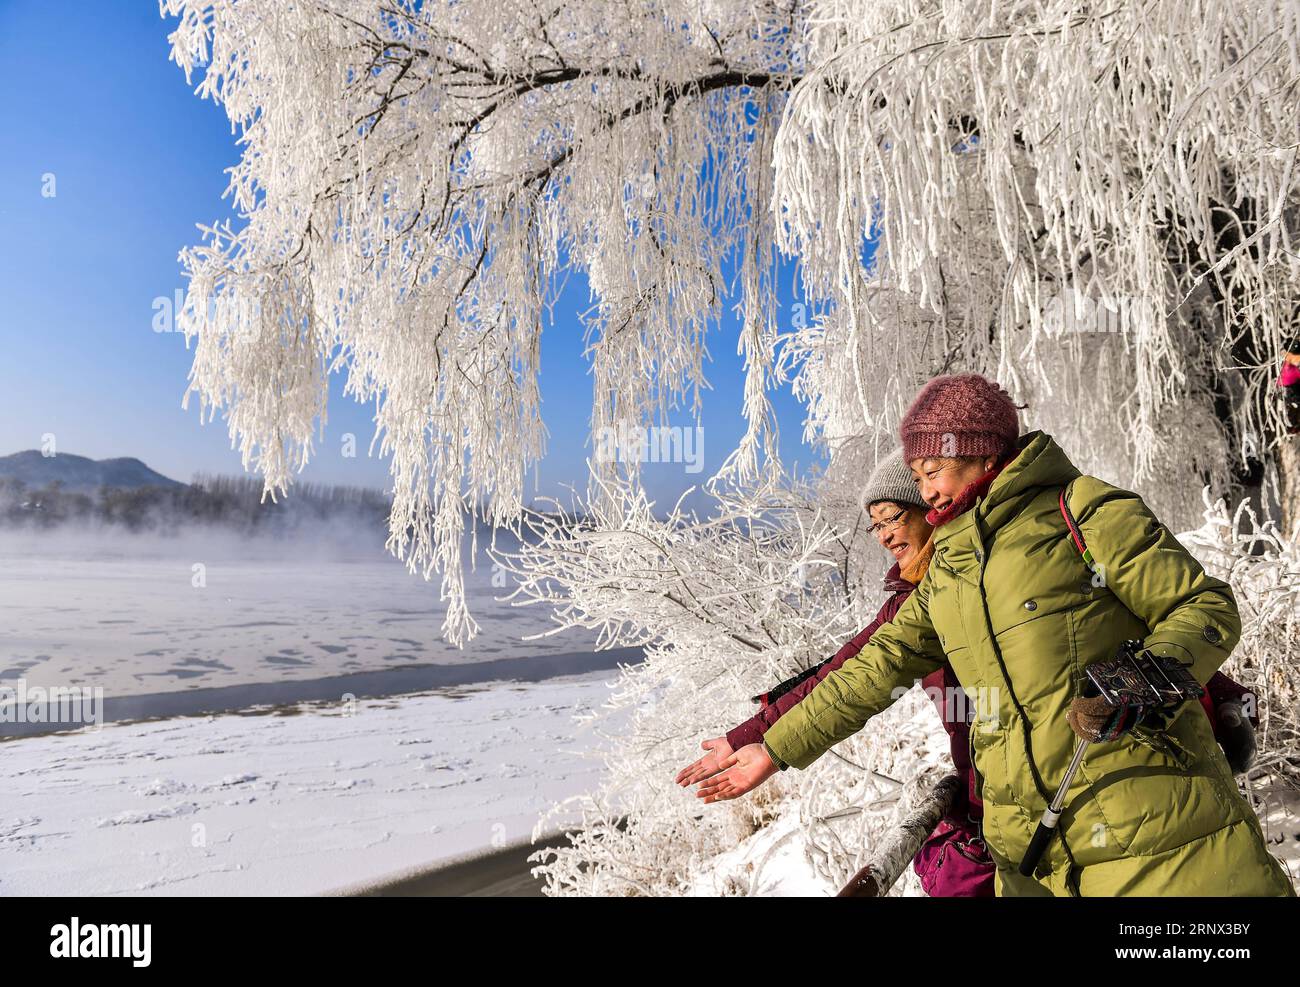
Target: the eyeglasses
(889, 524)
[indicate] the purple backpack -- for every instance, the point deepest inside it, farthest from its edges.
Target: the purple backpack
(954, 862)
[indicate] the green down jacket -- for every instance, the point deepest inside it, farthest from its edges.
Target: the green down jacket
(1011, 604)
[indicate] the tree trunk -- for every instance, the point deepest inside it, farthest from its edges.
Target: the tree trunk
(1288, 485)
(875, 880)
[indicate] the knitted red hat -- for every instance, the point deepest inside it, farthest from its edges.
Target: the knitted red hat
(959, 415)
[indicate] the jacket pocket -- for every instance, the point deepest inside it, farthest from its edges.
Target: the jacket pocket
(1153, 794)
(1163, 744)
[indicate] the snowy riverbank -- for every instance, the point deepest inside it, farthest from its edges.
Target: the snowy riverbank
(301, 800)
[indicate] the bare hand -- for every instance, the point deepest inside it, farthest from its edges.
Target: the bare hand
(744, 771)
(710, 764)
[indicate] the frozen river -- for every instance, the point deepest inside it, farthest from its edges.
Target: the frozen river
(173, 626)
(299, 724)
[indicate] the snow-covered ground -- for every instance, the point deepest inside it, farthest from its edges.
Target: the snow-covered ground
(277, 796)
(773, 863)
(301, 800)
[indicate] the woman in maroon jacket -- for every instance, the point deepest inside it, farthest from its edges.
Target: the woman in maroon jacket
(954, 862)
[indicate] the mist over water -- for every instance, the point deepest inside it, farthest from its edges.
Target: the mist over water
(309, 610)
(345, 537)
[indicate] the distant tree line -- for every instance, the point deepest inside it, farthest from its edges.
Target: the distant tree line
(232, 502)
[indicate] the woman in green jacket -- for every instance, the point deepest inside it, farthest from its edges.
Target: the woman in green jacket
(1014, 608)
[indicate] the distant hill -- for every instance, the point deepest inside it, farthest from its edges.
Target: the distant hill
(80, 474)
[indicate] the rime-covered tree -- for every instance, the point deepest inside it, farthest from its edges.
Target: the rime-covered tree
(1094, 202)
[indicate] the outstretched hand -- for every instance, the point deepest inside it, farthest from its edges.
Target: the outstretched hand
(744, 771)
(710, 764)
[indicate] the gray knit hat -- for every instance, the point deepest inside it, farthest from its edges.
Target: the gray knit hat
(891, 480)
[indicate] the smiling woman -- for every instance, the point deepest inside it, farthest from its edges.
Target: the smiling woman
(946, 463)
(1006, 604)
(902, 531)
(897, 511)
(953, 861)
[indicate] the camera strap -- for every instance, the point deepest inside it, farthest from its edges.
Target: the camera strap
(1076, 533)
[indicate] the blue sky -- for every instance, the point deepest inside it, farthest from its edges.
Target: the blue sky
(137, 161)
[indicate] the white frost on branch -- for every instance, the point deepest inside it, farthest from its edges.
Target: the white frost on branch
(416, 180)
(776, 577)
(1264, 571)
